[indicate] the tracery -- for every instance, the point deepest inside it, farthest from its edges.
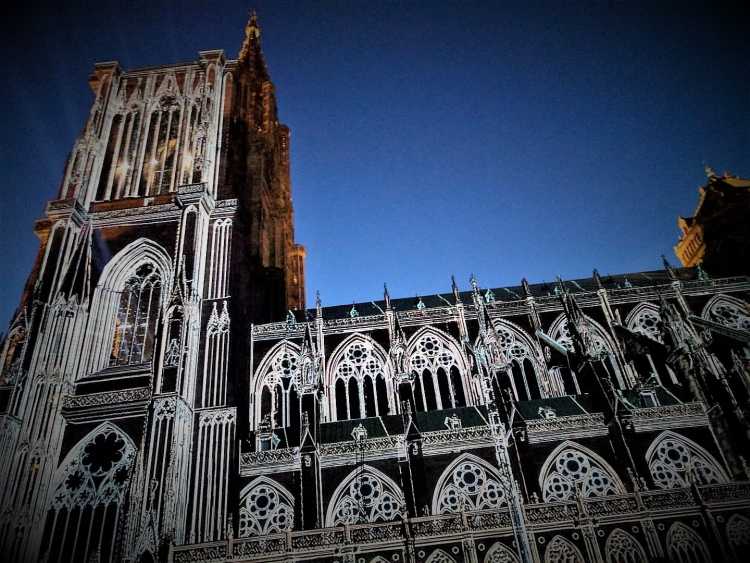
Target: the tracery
(561, 550)
(359, 379)
(525, 367)
(86, 505)
(571, 466)
(646, 320)
(137, 314)
(728, 311)
(685, 546)
(265, 508)
(621, 547)
(366, 495)
(276, 397)
(438, 367)
(500, 553)
(673, 460)
(468, 482)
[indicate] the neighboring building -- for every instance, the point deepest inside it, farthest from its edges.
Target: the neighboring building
(166, 396)
(717, 236)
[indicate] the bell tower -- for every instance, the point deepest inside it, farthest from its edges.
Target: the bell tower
(173, 232)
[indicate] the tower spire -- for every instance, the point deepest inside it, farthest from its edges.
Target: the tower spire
(251, 53)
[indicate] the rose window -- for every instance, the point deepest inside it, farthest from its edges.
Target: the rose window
(101, 454)
(648, 323)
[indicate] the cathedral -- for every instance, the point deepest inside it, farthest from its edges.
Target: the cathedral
(167, 395)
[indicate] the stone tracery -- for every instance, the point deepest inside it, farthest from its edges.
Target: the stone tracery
(469, 483)
(571, 467)
(366, 495)
(674, 461)
(265, 508)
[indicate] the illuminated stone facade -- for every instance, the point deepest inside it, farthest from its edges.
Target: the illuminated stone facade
(717, 236)
(166, 396)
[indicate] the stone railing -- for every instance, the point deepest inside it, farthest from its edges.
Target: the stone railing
(352, 447)
(669, 416)
(107, 398)
(565, 427)
(557, 515)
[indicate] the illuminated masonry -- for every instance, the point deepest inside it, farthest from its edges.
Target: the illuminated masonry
(166, 396)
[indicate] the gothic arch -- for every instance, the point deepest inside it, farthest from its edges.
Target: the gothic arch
(275, 381)
(561, 550)
(602, 340)
(571, 465)
(441, 377)
(265, 508)
(500, 553)
(621, 547)
(645, 319)
(729, 311)
(91, 485)
(471, 481)
(673, 459)
(365, 495)
(527, 368)
(738, 534)
(359, 379)
(141, 253)
(379, 559)
(685, 546)
(440, 556)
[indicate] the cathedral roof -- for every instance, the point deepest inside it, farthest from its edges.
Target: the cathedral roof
(501, 294)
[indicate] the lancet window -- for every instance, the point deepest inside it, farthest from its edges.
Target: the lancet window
(135, 325)
(621, 547)
(265, 508)
(685, 546)
(217, 358)
(438, 368)
(366, 495)
(276, 395)
(469, 483)
(360, 378)
(674, 460)
(728, 311)
(500, 553)
(571, 466)
(160, 161)
(561, 550)
(10, 368)
(645, 320)
(119, 164)
(86, 506)
(218, 279)
(524, 365)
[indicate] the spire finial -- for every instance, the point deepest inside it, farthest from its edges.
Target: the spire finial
(252, 29)
(386, 296)
(456, 294)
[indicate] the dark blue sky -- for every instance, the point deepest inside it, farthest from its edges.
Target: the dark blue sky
(428, 138)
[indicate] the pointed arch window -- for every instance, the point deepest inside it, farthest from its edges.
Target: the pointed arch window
(621, 547)
(360, 378)
(161, 147)
(500, 553)
(646, 320)
(438, 367)
(265, 508)
(366, 495)
(137, 315)
(524, 364)
(92, 485)
(571, 466)
(561, 550)
(673, 460)
(728, 311)
(276, 398)
(440, 556)
(469, 482)
(685, 546)
(738, 534)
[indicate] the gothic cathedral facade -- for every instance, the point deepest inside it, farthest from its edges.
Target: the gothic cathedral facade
(166, 395)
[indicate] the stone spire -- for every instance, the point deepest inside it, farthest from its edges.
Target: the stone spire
(251, 54)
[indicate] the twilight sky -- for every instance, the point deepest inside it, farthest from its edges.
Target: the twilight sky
(503, 139)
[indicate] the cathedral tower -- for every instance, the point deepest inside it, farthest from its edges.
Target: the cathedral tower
(173, 232)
